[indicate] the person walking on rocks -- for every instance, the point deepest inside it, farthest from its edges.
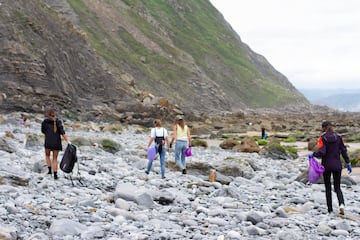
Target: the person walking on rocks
(330, 146)
(182, 138)
(159, 135)
(53, 129)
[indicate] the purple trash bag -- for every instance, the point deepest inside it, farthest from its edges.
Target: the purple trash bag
(315, 170)
(151, 152)
(188, 152)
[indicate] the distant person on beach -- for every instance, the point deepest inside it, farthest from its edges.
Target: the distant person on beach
(53, 129)
(159, 135)
(182, 138)
(330, 146)
(263, 133)
(23, 120)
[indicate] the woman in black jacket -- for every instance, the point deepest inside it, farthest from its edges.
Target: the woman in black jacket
(53, 129)
(330, 146)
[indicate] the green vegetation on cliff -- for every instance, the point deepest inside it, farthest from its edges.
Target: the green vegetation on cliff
(164, 44)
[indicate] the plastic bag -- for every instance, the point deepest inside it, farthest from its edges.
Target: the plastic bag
(315, 170)
(188, 152)
(151, 152)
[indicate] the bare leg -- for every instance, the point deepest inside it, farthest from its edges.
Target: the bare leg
(55, 161)
(47, 157)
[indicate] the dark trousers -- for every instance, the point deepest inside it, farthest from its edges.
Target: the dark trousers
(337, 189)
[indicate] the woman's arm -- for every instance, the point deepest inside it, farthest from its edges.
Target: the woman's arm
(189, 136)
(167, 143)
(151, 139)
(173, 135)
(43, 129)
(343, 151)
(65, 137)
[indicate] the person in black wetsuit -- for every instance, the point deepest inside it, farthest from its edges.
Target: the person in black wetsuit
(53, 129)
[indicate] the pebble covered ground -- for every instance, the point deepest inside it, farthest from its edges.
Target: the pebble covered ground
(117, 200)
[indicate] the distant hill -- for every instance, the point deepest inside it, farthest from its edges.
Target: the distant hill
(341, 99)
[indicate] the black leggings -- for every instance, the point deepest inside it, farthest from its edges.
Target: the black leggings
(337, 189)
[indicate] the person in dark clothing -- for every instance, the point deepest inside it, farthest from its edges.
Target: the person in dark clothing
(263, 133)
(53, 129)
(330, 146)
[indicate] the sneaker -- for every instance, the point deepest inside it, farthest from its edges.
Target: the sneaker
(331, 214)
(184, 171)
(147, 172)
(163, 177)
(342, 209)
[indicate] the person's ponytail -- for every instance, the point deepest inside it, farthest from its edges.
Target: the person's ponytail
(55, 126)
(50, 113)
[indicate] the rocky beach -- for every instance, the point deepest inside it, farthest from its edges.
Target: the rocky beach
(252, 197)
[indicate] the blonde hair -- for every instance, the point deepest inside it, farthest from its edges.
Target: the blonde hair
(181, 123)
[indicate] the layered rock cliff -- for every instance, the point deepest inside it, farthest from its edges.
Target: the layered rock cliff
(112, 58)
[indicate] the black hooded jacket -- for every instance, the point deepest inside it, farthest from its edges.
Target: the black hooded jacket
(330, 146)
(52, 139)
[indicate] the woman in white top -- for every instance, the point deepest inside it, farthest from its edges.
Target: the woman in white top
(160, 136)
(183, 140)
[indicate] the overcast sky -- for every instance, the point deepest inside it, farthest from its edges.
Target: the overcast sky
(314, 43)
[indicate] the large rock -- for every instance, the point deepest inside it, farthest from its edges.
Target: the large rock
(235, 167)
(276, 151)
(248, 145)
(5, 146)
(229, 144)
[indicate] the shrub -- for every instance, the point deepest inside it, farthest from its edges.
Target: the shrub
(291, 149)
(289, 139)
(262, 142)
(110, 145)
(199, 143)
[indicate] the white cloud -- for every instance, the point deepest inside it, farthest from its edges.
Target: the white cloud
(313, 43)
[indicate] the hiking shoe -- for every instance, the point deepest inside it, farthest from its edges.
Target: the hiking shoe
(342, 209)
(184, 171)
(331, 214)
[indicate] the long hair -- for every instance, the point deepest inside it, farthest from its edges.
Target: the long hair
(328, 129)
(181, 123)
(50, 113)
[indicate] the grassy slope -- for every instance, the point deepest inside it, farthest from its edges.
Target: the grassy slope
(195, 27)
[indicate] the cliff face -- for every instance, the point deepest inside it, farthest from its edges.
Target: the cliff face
(99, 56)
(47, 62)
